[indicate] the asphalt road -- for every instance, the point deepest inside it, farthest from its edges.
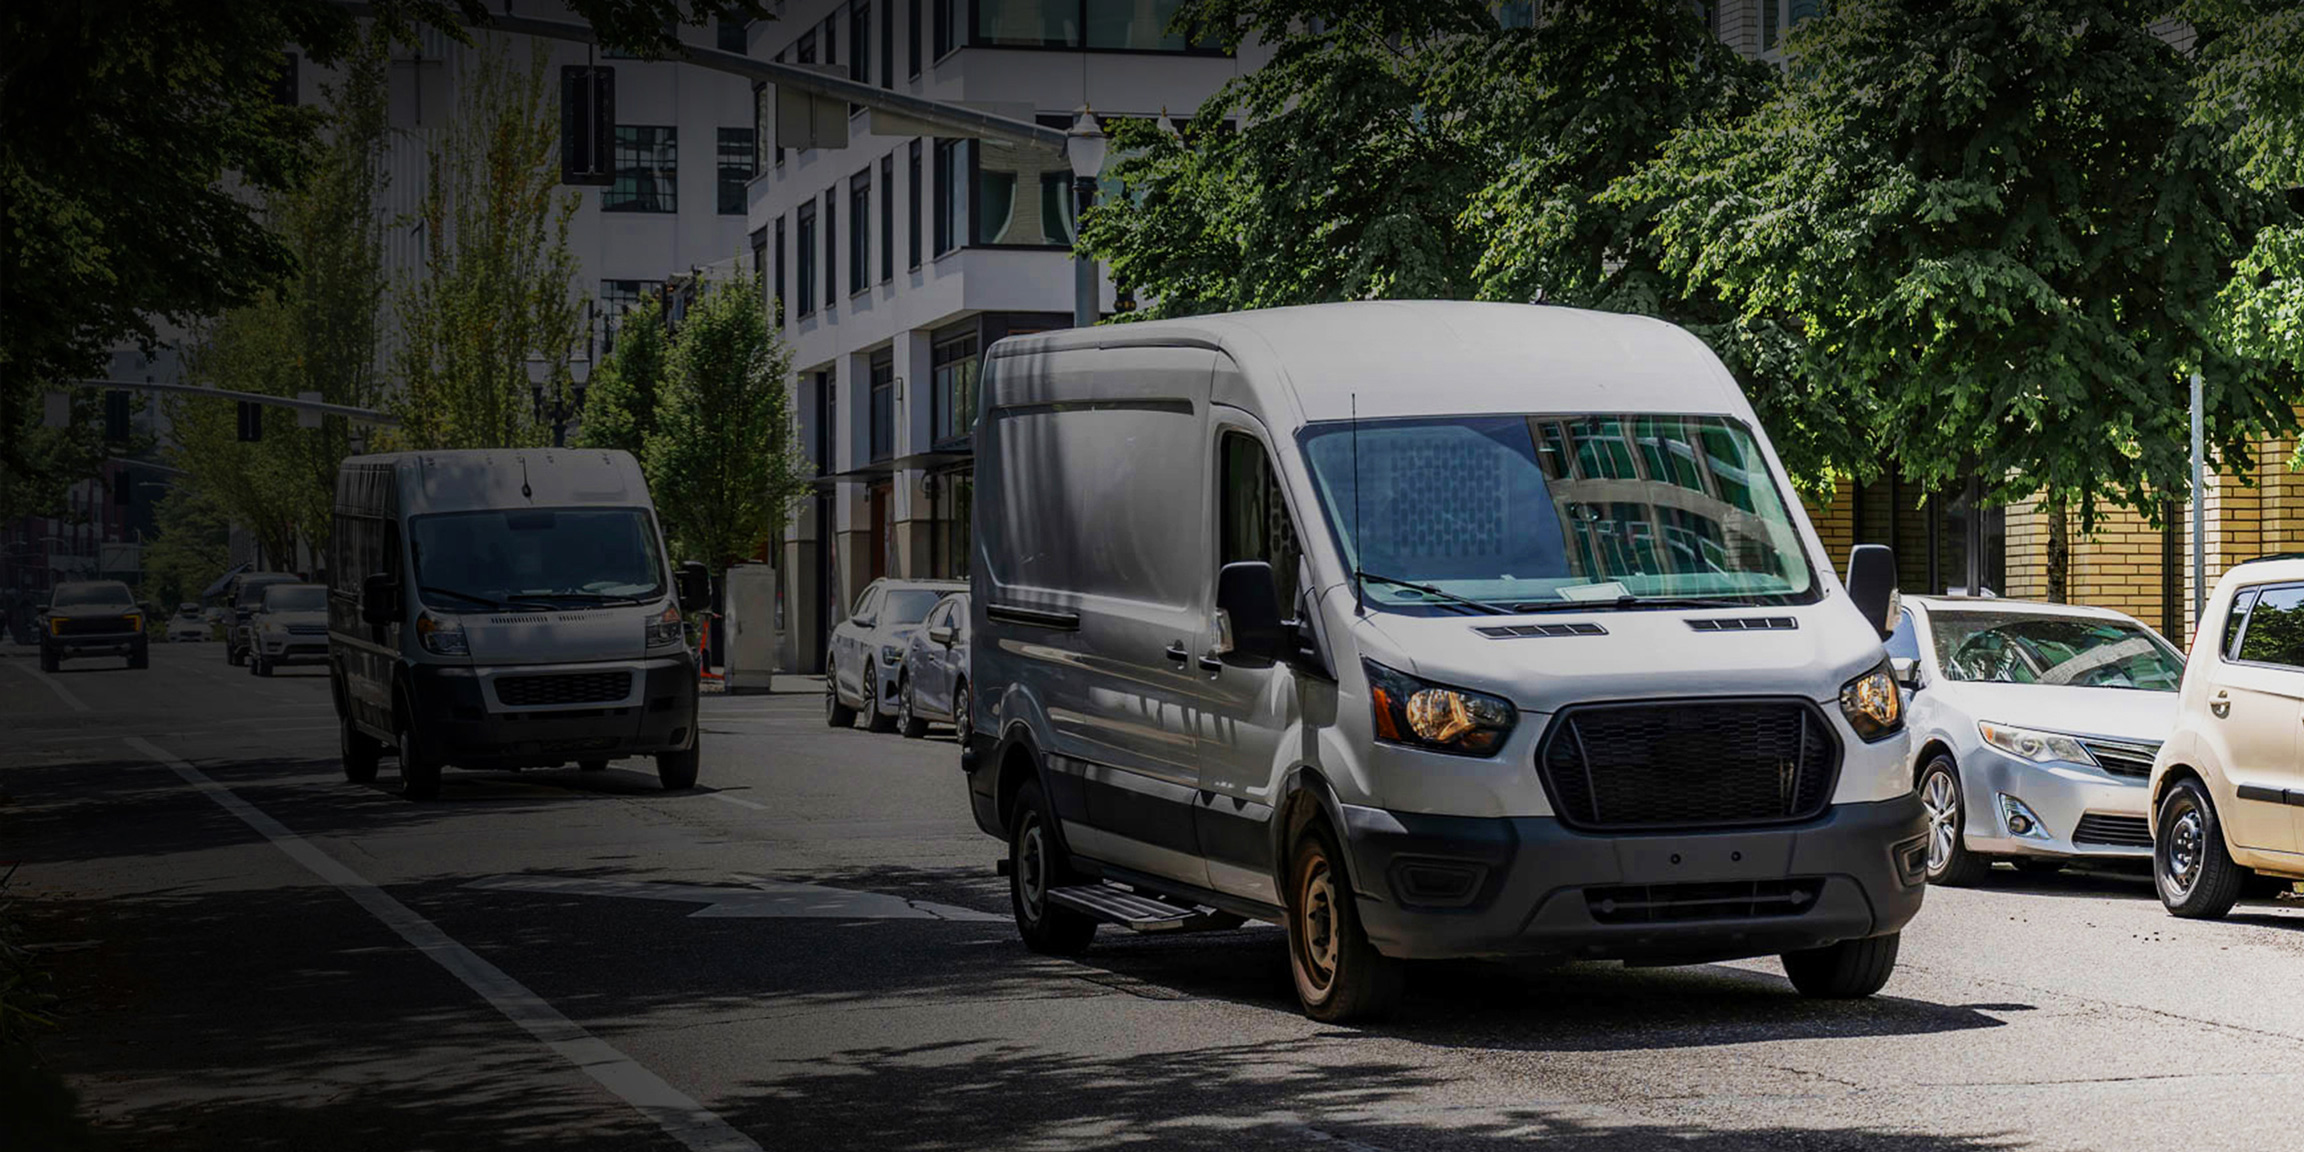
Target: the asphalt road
(811, 951)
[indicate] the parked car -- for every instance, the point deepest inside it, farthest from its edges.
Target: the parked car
(867, 656)
(187, 624)
(1427, 630)
(290, 626)
(508, 609)
(933, 682)
(2228, 785)
(242, 598)
(92, 618)
(2034, 728)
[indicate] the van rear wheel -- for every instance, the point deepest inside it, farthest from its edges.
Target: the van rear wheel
(360, 753)
(1036, 864)
(1339, 975)
(1849, 970)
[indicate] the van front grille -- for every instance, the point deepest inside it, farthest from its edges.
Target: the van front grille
(1689, 764)
(1726, 900)
(563, 688)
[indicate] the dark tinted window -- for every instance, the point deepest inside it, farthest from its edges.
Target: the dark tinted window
(296, 598)
(909, 605)
(1255, 524)
(2275, 631)
(2234, 617)
(92, 596)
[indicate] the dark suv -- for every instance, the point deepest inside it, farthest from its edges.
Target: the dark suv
(92, 618)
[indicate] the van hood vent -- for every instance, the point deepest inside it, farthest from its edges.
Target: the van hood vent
(1747, 624)
(1528, 631)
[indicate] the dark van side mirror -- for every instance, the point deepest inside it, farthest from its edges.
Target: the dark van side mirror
(1872, 584)
(692, 586)
(1244, 595)
(379, 599)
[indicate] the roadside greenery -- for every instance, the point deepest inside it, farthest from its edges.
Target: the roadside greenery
(2251, 86)
(620, 404)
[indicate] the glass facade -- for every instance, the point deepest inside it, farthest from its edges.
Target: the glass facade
(883, 399)
(647, 170)
(953, 368)
(738, 161)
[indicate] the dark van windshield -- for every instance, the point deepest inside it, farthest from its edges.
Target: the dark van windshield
(468, 560)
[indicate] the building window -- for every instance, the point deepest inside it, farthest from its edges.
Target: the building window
(1779, 17)
(1019, 200)
(1108, 25)
(883, 405)
(1027, 24)
(946, 232)
(912, 204)
(951, 17)
(888, 44)
(760, 264)
(616, 298)
(805, 51)
(804, 293)
(953, 366)
(831, 247)
(1516, 14)
(860, 231)
(776, 287)
(888, 217)
(860, 41)
(737, 163)
(912, 36)
(731, 34)
(647, 170)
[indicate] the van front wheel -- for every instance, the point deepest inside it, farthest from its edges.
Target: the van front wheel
(1339, 975)
(1849, 970)
(677, 770)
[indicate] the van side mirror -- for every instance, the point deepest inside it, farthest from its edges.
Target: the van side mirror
(692, 586)
(1244, 595)
(943, 634)
(1872, 585)
(379, 599)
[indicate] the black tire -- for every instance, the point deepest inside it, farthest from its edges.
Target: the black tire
(1849, 970)
(359, 752)
(908, 722)
(1339, 975)
(1036, 863)
(874, 719)
(49, 660)
(676, 771)
(1950, 863)
(836, 714)
(592, 765)
(232, 654)
(140, 657)
(2191, 869)
(260, 665)
(419, 769)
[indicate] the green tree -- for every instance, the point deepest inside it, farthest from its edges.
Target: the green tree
(2251, 85)
(497, 284)
(724, 462)
(192, 549)
(620, 404)
(1994, 238)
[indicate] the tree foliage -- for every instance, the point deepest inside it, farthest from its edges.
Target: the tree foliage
(620, 404)
(2252, 86)
(724, 462)
(192, 549)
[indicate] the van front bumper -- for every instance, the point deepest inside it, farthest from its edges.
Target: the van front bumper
(1436, 887)
(466, 732)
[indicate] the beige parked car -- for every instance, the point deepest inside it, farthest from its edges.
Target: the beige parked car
(2228, 785)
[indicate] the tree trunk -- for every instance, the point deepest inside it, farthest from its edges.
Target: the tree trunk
(2059, 550)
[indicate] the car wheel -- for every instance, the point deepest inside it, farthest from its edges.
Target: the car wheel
(419, 768)
(677, 770)
(1950, 863)
(1849, 970)
(592, 765)
(359, 753)
(2190, 866)
(1036, 864)
(259, 665)
(875, 720)
(960, 711)
(836, 713)
(1339, 975)
(908, 721)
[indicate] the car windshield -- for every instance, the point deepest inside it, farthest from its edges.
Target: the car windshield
(92, 596)
(908, 605)
(535, 557)
(296, 598)
(2076, 651)
(1526, 512)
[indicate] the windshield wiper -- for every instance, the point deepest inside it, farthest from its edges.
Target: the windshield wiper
(482, 601)
(1623, 603)
(1437, 593)
(595, 599)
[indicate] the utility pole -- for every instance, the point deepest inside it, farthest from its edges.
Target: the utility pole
(2199, 508)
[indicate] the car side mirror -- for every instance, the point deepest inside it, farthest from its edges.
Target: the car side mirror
(1906, 670)
(692, 586)
(379, 599)
(943, 634)
(1252, 611)
(1872, 585)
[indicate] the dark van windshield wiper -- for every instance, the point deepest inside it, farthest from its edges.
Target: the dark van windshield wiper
(1436, 593)
(588, 599)
(468, 597)
(1624, 603)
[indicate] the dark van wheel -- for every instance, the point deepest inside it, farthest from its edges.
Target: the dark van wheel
(1339, 975)
(836, 714)
(677, 770)
(1036, 864)
(359, 752)
(875, 720)
(908, 722)
(1950, 863)
(1849, 970)
(419, 768)
(2194, 873)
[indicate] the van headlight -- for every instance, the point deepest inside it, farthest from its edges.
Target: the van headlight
(664, 628)
(2030, 744)
(1421, 714)
(441, 635)
(1872, 704)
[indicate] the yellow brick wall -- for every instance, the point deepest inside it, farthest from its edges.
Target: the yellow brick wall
(1835, 522)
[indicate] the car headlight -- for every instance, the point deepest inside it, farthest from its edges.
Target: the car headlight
(441, 635)
(665, 630)
(2030, 744)
(1421, 714)
(891, 655)
(1872, 704)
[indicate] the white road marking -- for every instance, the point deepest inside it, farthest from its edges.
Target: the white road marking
(54, 685)
(679, 1116)
(739, 801)
(765, 899)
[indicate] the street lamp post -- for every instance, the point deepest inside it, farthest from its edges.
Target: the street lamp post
(1084, 145)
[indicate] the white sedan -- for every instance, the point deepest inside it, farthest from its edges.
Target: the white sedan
(865, 665)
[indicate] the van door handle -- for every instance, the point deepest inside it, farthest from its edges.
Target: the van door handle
(2221, 704)
(1211, 664)
(1178, 652)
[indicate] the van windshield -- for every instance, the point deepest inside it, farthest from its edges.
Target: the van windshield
(1524, 513)
(535, 557)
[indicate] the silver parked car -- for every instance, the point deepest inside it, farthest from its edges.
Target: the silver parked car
(861, 670)
(2035, 726)
(933, 683)
(289, 626)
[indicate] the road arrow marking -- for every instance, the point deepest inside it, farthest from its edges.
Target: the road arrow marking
(765, 899)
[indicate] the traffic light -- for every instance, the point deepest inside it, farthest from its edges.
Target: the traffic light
(251, 421)
(587, 124)
(116, 415)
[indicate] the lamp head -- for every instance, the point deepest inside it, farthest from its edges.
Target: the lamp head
(1085, 144)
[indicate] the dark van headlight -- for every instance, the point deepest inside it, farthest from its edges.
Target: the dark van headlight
(1872, 704)
(1421, 714)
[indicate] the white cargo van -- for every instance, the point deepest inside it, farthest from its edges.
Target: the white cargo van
(507, 609)
(1426, 630)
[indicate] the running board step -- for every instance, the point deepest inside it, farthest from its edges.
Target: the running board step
(1135, 911)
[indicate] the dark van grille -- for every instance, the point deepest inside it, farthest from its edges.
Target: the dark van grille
(1685, 764)
(564, 688)
(91, 625)
(1728, 900)
(2113, 831)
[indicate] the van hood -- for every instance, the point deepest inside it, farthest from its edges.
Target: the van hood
(2121, 713)
(1643, 654)
(560, 637)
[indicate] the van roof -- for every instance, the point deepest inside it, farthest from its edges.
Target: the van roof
(469, 479)
(1429, 357)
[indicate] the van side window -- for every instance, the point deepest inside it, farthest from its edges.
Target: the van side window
(1255, 523)
(2275, 630)
(2234, 617)
(1904, 642)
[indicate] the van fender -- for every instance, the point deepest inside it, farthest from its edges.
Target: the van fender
(1305, 786)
